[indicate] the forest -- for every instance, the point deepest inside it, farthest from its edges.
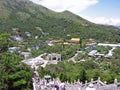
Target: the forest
(14, 74)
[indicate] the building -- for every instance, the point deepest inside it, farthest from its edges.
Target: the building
(56, 41)
(53, 42)
(14, 49)
(35, 47)
(54, 56)
(91, 42)
(95, 53)
(74, 41)
(92, 53)
(26, 54)
(66, 43)
(110, 45)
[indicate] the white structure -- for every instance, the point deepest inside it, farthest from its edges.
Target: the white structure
(110, 53)
(54, 56)
(110, 45)
(90, 87)
(41, 84)
(26, 54)
(50, 44)
(33, 62)
(92, 53)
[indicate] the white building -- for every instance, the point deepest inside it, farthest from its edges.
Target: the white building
(110, 45)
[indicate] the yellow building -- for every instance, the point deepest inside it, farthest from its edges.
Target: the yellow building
(75, 40)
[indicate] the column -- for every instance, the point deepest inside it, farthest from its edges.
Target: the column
(115, 84)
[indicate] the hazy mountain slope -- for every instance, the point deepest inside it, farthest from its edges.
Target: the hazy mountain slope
(26, 15)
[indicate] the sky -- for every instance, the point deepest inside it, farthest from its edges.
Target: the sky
(97, 11)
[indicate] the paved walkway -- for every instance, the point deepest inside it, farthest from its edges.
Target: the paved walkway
(36, 61)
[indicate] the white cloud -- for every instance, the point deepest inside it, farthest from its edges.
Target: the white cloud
(104, 20)
(74, 6)
(77, 6)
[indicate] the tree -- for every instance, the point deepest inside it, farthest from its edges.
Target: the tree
(4, 42)
(63, 77)
(82, 75)
(96, 74)
(14, 75)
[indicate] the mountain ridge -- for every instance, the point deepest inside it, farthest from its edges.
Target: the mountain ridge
(27, 15)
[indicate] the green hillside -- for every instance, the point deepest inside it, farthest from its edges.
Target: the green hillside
(26, 16)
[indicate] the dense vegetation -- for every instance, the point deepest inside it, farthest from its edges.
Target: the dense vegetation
(92, 67)
(14, 75)
(108, 70)
(26, 16)
(67, 51)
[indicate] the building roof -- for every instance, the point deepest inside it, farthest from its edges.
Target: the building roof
(56, 41)
(92, 53)
(66, 43)
(15, 48)
(111, 45)
(75, 39)
(25, 53)
(91, 43)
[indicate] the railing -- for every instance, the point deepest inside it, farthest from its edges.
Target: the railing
(52, 84)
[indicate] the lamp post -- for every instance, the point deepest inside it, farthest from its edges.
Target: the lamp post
(47, 78)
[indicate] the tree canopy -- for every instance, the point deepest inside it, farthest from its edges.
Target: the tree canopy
(14, 75)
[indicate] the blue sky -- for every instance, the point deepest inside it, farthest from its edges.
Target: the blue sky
(97, 11)
(105, 8)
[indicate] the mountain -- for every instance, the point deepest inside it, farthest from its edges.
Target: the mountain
(26, 16)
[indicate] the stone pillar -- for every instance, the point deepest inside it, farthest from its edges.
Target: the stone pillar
(85, 83)
(78, 81)
(105, 82)
(98, 83)
(51, 57)
(47, 58)
(91, 80)
(60, 57)
(56, 58)
(74, 81)
(34, 87)
(115, 84)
